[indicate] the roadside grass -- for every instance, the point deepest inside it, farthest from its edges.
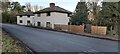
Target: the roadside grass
(11, 45)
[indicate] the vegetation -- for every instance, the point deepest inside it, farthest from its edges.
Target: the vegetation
(80, 15)
(107, 15)
(11, 45)
(10, 10)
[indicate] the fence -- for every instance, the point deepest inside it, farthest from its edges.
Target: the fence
(74, 28)
(98, 30)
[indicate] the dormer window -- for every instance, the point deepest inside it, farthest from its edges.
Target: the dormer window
(48, 14)
(38, 15)
(28, 15)
(20, 15)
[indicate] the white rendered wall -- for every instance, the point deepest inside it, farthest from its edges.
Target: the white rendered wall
(54, 18)
(24, 20)
(61, 18)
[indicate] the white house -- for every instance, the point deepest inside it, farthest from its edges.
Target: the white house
(46, 17)
(25, 18)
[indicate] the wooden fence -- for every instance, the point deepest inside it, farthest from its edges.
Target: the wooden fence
(74, 28)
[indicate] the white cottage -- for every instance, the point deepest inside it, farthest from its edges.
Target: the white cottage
(46, 17)
(25, 18)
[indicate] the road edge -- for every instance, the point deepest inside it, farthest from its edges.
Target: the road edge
(29, 50)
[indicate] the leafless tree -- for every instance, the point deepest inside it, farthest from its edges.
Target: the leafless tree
(94, 6)
(28, 6)
(36, 8)
(41, 7)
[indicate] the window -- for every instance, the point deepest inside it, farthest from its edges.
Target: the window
(28, 15)
(20, 21)
(38, 15)
(20, 15)
(48, 14)
(28, 21)
(48, 24)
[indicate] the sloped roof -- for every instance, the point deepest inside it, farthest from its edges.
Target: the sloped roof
(26, 13)
(54, 9)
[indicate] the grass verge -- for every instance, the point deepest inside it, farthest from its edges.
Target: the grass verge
(9, 44)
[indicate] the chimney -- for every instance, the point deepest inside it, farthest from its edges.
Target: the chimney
(52, 5)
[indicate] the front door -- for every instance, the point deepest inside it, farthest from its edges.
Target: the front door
(39, 24)
(28, 22)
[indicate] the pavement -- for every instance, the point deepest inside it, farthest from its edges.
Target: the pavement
(51, 41)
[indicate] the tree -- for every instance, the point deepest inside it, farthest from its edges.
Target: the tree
(80, 15)
(28, 6)
(0, 5)
(41, 7)
(5, 17)
(15, 6)
(119, 19)
(10, 10)
(5, 6)
(94, 7)
(36, 8)
(109, 16)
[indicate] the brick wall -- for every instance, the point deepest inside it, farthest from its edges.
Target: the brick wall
(74, 28)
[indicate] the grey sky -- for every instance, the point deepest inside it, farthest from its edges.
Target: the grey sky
(66, 4)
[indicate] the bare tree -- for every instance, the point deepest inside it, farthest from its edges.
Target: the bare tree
(41, 7)
(36, 8)
(28, 6)
(94, 6)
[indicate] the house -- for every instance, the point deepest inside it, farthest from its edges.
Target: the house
(52, 15)
(25, 18)
(46, 17)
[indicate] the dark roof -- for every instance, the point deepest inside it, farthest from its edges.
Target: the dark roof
(54, 9)
(26, 13)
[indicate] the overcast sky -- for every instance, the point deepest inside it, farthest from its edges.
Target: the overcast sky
(66, 4)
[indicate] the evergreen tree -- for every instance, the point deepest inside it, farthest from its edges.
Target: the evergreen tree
(80, 15)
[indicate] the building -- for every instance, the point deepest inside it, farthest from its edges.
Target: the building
(47, 17)
(52, 15)
(25, 18)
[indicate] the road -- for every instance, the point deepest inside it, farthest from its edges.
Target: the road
(50, 41)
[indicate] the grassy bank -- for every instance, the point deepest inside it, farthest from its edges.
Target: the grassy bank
(9, 44)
